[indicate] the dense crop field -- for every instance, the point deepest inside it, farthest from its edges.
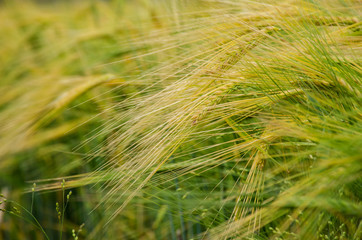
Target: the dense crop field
(181, 119)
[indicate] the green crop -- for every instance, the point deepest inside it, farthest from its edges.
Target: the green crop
(183, 119)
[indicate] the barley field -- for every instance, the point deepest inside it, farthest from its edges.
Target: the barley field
(181, 119)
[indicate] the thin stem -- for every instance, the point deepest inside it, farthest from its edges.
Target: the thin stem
(34, 218)
(63, 210)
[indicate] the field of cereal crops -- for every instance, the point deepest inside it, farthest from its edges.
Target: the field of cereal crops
(180, 119)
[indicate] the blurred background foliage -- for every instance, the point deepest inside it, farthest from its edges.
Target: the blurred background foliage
(56, 91)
